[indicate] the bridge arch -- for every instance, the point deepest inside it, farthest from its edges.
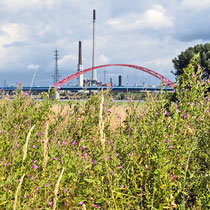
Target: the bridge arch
(151, 72)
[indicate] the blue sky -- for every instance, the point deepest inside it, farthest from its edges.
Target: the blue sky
(146, 33)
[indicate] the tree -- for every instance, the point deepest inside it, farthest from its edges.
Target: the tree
(181, 61)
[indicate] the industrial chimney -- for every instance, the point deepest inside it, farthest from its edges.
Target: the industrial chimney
(94, 75)
(80, 67)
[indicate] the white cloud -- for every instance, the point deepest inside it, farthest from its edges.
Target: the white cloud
(67, 60)
(102, 59)
(196, 5)
(154, 18)
(33, 66)
(13, 32)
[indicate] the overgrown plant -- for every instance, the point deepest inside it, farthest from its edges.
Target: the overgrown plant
(157, 159)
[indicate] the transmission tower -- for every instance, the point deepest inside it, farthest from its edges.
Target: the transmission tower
(56, 74)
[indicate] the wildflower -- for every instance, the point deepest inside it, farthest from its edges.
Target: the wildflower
(201, 118)
(120, 167)
(64, 143)
(96, 206)
(38, 188)
(74, 143)
(166, 113)
(93, 161)
(46, 185)
(83, 140)
(32, 178)
(138, 117)
(111, 140)
(185, 116)
(50, 203)
(35, 166)
(132, 129)
(171, 147)
(169, 126)
(123, 186)
(81, 202)
(35, 161)
(65, 190)
(34, 146)
(54, 158)
(168, 141)
(193, 104)
(83, 147)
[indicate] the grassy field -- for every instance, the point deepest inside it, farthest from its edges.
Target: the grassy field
(99, 154)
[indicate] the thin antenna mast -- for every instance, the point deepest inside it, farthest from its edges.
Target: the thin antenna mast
(56, 75)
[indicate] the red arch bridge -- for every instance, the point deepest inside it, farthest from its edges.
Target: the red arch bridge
(151, 72)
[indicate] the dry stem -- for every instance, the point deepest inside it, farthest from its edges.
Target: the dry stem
(17, 192)
(25, 147)
(56, 190)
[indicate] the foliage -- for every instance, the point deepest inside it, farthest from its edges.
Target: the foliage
(181, 61)
(158, 158)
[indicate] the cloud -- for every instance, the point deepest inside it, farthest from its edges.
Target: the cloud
(102, 59)
(196, 5)
(153, 19)
(33, 66)
(67, 60)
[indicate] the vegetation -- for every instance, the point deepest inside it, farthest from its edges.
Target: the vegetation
(71, 158)
(182, 60)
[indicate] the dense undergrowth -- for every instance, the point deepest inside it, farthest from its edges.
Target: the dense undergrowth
(72, 159)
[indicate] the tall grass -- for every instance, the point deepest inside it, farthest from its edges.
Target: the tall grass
(157, 157)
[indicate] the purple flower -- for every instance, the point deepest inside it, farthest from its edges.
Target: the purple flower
(174, 176)
(74, 143)
(64, 143)
(95, 206)
(119, 167)
(34, 146)
(123, 186)
(83, 147)
(138, 117)
(50, 203)
(35, 166)
(201, 118)
(46, 185)
(93, 161)
(168, 141)
(171, 147)
(185, 116)
(166, 113)
(54, 158)
(81, 202)
(35, 161)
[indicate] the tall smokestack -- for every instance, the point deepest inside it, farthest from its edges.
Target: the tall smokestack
(80, 67)
(80, 53)
(94, 75)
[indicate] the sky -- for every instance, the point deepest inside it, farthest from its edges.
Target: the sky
(147, 33)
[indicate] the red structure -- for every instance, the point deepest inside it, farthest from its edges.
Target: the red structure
(153, 73)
